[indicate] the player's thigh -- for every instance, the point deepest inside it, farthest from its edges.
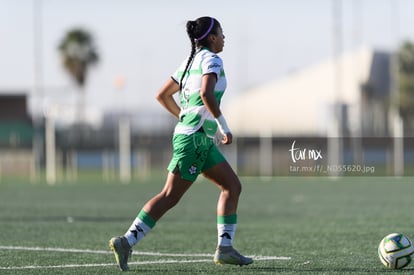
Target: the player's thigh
(175, 186)
(223, 176)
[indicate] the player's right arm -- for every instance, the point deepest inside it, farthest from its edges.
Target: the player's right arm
(165, 97)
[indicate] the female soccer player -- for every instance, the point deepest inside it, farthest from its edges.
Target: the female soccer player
(200, 81)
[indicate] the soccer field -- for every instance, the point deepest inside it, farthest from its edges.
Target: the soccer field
(289, 225)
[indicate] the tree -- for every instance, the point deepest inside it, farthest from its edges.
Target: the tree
(78, 52)
(406, 80)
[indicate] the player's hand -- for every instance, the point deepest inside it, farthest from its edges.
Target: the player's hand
(227, 138)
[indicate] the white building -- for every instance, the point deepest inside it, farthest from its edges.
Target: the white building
(303, 103)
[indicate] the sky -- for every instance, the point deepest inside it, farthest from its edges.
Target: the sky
(143, 42)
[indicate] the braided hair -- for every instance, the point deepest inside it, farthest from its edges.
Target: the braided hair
(198, 31)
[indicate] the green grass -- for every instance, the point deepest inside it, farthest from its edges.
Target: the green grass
(325, 226)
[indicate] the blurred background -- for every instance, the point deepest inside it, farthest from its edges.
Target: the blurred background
(321, 87)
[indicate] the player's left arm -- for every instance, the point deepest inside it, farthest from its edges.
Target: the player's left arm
(208, 84)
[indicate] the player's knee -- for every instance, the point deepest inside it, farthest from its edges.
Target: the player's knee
(234, 189)
(238, 188)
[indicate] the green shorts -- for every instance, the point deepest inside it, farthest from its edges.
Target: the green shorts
(193, 154)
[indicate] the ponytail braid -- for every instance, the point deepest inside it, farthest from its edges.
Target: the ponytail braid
(191, 26)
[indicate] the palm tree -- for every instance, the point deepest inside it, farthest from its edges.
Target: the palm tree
(406, 83)
(406, 75)
(78, 53)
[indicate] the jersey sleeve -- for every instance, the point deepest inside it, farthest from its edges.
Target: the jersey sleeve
(176, 76)
(212, 64)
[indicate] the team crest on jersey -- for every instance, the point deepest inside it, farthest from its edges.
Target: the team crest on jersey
(193, 169)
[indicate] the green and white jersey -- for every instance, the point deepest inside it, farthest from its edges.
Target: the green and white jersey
(194, 114)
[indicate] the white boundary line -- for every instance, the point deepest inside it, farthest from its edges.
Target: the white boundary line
(99, 265)
(90, 251)
(58, 249)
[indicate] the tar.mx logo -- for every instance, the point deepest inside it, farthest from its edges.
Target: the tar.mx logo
(304, 153)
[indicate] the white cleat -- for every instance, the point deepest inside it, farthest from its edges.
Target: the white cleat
(122, 251)
(229, 255)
